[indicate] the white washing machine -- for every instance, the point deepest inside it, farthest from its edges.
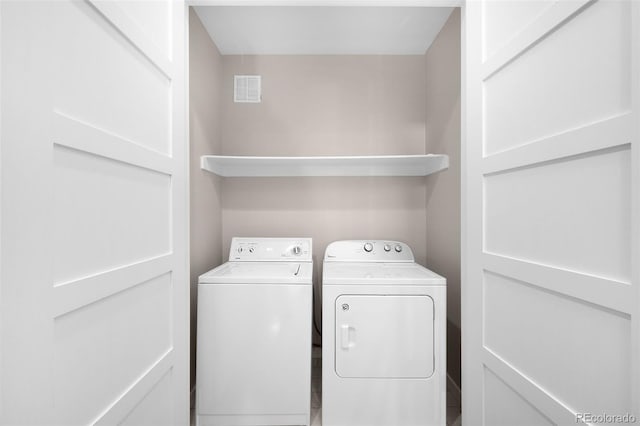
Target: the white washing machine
(383, 341)
(254, 335)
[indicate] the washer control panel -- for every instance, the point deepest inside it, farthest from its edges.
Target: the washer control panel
(271, 249)
(368, 251)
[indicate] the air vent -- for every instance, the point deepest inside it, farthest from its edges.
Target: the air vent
(247, 88)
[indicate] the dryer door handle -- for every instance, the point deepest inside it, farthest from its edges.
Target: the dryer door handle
(345, 336)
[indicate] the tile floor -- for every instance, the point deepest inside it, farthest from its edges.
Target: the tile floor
(453, 402)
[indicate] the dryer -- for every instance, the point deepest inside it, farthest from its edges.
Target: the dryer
(383, 342)
(254, 335)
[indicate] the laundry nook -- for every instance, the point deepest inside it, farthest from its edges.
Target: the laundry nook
(319, 212)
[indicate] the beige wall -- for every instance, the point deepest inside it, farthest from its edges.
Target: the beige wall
(443, 189)
(326, 105)
(205, 67)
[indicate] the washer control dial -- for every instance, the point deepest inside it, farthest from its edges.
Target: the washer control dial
(398, 248)
(297, 250)
(368, 247)
(387, 247)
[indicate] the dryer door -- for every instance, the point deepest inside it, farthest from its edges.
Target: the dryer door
(384, 336)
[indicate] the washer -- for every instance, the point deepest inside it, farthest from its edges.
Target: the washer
(254, 335)
(383, 342)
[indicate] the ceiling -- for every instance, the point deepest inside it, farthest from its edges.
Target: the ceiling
(307, 30)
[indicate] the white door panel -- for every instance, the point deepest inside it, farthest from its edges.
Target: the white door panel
(505, 407)
(122, 209)
(551, 215)
(549, 337)
(536, 213)
(571, 63)
(94, 307)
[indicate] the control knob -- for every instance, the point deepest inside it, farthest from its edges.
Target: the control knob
(297, 250)
(368, 247)
(398, 248)
(387, 247)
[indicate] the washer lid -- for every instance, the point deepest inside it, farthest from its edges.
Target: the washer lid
(259, 273)
(366, 273)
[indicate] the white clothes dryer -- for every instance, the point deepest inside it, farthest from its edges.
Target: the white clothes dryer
(254, 335)
(383, 342)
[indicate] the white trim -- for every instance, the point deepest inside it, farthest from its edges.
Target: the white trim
(471, 214)
(73, 133)
(119, 19)
(635, 206)
(180, 211)
(187, 105)
(546, 23)
(599, 291)
(187, 117)
(124, 404)
(75, 294)
(385, 3)
(604, 134)
(538, 397)
(2, 142)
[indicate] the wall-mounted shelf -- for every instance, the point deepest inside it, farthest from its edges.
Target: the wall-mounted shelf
(384, 165)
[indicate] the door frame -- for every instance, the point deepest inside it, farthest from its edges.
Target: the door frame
(635, 202)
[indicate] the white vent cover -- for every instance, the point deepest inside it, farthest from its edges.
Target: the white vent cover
(247, 88)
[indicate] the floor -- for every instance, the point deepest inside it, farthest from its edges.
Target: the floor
(454, 405)
(453, 401)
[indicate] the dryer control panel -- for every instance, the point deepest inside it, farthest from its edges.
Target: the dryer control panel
(368, 251)
(270, 250)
